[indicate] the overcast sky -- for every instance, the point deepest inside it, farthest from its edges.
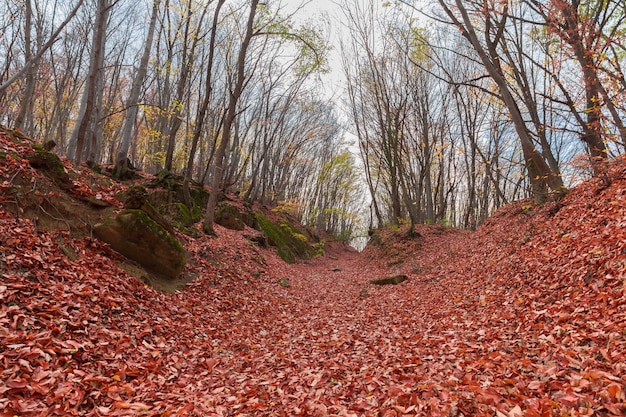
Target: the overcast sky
(324, 11)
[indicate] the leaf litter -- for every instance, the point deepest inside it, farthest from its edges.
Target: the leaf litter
(524, 317)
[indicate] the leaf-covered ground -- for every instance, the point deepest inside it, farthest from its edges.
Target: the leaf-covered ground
(525, 317)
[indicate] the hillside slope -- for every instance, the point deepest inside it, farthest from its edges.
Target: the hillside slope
(525, 317)
(528, 311)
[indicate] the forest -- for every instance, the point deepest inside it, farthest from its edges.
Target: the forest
(184, 185)
(445, 111)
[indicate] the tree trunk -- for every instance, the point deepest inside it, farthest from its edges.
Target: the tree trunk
(187, 60)
(92, 147)
(201, 116)
(235, 94)
(120, 170)
(85, 122)
(29, 89)
(572, 34)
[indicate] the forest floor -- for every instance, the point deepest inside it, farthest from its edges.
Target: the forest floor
(524, 317)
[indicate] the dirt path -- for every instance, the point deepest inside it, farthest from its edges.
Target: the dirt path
(429, 346)
(323, 347)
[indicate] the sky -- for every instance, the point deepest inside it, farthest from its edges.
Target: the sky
(306, 10)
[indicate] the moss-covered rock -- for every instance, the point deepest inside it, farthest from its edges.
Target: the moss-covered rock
(164, 208)
(233, 217)
(228, 216)
(134, 234)
(50, 164)
(290, 244)
(182, 218)
(137, 198)
(185, 217)
(172, 182)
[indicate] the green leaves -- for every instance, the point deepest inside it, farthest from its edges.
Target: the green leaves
(306, 41)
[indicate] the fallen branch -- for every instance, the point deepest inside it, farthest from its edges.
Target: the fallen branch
(396, 279)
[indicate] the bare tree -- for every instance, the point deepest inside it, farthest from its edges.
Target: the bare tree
(29, 88)
(494, 20)
(37, 56)
(132, 104)
(582, 27)
(234, 95)
(204, 106)
(87, 117)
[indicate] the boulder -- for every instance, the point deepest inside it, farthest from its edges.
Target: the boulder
(50, 165)
(137, 199)
(171, 182)
(289, 242)
(138, 237)
(163, 207)
(228, 216)
(233, 217)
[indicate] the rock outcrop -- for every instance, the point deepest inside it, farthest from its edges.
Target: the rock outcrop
(50, 164)
(289, 242)
(134, 234)
(233, 217)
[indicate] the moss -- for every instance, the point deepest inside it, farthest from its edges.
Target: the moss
(199, 196)
(96, 168)
(167, 180)
(287, 239)
(188, 217)
(141, 220)
(137, 236)
(319, 247)
(51, 164)
(234, 217)
(229, 216)
(172, 182)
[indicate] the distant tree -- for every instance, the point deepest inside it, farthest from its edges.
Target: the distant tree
(34, 57)
(272, 30)
(203, 108)
(378, 108)
(190, 41)
(334, 205)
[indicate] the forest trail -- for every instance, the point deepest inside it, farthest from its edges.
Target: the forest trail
(524, 317)
(471, 333)
(334, 344)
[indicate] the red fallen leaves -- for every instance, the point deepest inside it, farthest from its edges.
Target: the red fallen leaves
(525, 317)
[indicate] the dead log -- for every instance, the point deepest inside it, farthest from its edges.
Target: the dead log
(396, 279)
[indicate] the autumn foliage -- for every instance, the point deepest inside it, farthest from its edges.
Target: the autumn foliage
(524, 317)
